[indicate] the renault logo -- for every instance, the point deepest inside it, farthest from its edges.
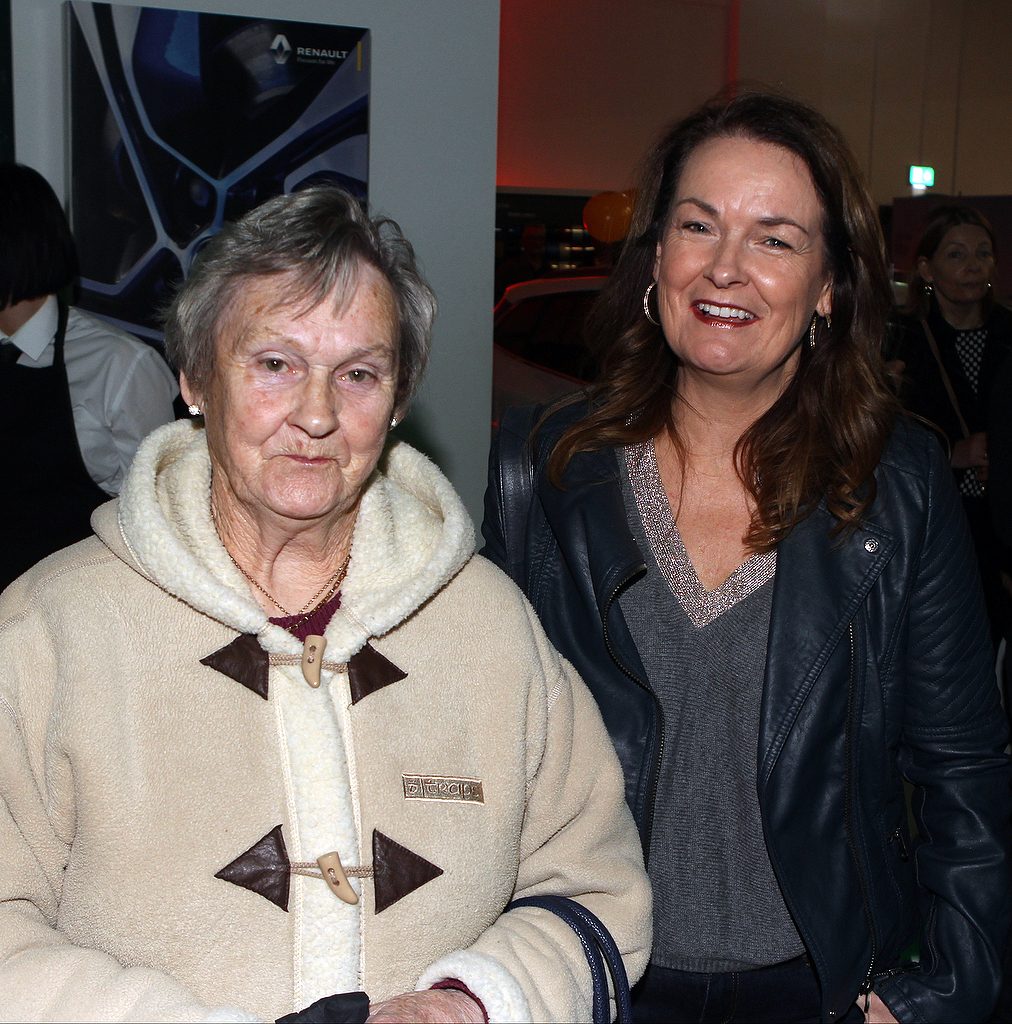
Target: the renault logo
(281, 49)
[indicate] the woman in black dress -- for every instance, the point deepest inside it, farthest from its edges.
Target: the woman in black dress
(952, 343)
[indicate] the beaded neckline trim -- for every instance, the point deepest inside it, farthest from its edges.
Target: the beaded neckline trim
(700, 605)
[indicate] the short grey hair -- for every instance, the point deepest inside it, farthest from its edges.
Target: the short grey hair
(317, 239)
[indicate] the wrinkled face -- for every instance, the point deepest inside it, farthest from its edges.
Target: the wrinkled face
(962, 266)
(740, 268)
(298, 406)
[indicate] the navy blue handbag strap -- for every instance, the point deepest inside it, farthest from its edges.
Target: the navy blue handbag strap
(620, 980)
(597, 942)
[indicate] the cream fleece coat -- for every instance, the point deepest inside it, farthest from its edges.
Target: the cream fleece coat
(138, 766)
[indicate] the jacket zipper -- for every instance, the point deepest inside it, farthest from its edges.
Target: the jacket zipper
(901, 844)
(648, 827)
(868, 983)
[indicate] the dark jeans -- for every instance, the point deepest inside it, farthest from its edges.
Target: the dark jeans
(786, 993)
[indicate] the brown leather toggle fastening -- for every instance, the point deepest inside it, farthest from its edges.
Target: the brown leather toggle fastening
(312, 660)
(334, 876)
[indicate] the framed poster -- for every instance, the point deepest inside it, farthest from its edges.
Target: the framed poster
(180, 121)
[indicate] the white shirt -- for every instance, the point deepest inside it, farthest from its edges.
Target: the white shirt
(120, 388)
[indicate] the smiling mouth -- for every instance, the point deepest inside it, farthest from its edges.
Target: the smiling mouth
(729, 315)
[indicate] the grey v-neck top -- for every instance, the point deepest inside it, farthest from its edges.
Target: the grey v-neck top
(717, 905)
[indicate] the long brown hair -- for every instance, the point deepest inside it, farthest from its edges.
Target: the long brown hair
(823, 437)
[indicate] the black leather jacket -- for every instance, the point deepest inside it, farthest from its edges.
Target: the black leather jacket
(878, 669)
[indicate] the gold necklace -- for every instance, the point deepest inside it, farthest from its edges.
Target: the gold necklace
(336, 580)
(324, 594)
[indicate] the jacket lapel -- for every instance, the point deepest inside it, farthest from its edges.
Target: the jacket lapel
(820, 583)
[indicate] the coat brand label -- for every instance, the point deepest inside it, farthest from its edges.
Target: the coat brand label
(442, 787)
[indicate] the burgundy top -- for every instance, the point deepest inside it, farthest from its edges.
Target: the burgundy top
(315, 624)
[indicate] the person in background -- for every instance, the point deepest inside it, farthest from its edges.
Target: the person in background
(273, 734)
(762, 571)
(77, 395)
(951, 342)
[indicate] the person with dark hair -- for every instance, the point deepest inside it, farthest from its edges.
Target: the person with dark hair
(762, 571)
(951, 343)
(77, 395)
(274, 735)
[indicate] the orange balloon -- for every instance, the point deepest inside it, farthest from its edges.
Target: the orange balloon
(608, 214)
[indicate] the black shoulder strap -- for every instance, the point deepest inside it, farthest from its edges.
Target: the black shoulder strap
(944, 374)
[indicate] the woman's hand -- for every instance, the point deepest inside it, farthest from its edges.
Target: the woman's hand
(877, 1013)
(971, 453)
(430, 1007)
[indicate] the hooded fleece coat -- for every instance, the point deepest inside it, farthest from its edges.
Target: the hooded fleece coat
(168, 778)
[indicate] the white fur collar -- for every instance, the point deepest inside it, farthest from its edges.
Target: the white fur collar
(411, 538)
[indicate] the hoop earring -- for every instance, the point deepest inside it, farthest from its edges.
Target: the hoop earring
(193, 410)
(646, 304)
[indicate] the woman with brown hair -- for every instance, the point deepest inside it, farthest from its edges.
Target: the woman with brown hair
(763, 574)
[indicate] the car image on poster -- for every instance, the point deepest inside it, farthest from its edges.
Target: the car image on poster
(180, 121)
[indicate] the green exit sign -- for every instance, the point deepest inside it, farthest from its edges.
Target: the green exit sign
(922, 177)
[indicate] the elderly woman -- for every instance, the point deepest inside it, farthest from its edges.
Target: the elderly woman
(273, 733)
(765, 578)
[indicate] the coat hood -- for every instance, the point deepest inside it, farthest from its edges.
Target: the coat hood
(411, 538)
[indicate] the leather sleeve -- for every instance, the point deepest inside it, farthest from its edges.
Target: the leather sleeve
(953, 752)
(510, 493)
(493, 529)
